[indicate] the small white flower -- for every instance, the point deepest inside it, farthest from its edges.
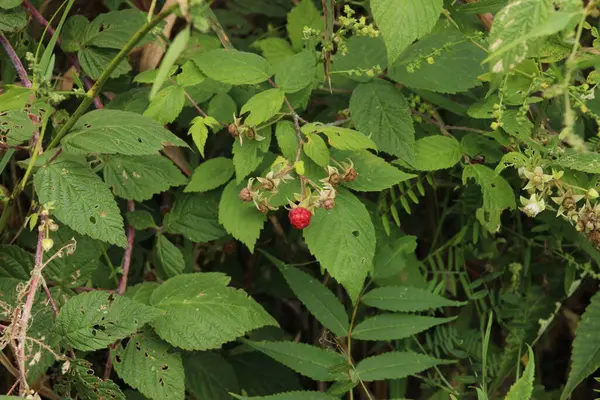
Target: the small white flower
(532, 206)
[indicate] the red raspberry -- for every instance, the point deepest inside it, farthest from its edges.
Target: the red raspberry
(300, 217)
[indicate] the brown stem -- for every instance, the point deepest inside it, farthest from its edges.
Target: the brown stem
(14, 59)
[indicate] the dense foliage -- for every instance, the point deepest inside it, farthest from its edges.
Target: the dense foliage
(299, 200)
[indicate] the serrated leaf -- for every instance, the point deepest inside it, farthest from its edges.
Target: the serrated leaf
(585, 356)
(194, 304)
(89, 386)
(584, 162)
(310, 361)
(274, 49)
(319, 300)
(242, 220)
(297, 395)
(482, 7)
(406, 299)
(316, 149)
(512, 23)
(209, 376)
(523, 388)
(497, 194)
(296, 72)
(458, 58)
(395, 326)
(190, 74)
(402, 22)
(380, 110)
(374, 174)
(341, 138)
(304, 14)
(234, 67)
(13, 19)
(173, 52)
(140, 219)
(73, 33)
(436, 152)
(141, 292)
(166, 106)
(170, 259)
(211, 174)
(394, 365)
(93, 320)
(196, 217)
(222, 108)
(112, 29)
(16, 126)
(94, 60)
(81, 200)
(347, 251)
(15, 263)
(149, 365)
(118, 132)
(363, 54)
(149, 76)
(140, 177)
(247, 156)
(262, 106)
(8, 4)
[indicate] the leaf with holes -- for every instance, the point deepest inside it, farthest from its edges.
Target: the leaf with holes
(211, 174)
(89, 386)
(140, 177)
(118, 132)
(93, 320)
(80, 200)
(16, 126)
(347, 251)
(150, 365)
(194, 304)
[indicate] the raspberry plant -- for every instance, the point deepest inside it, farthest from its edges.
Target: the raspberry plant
(299, 200)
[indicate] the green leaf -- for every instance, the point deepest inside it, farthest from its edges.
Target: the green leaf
(8, 4)
(149, 365)
(271, 377)
(190, 74)
(406, 298)
(296, 72)
(209, 376)
(80, 200)
(402, 22)
(141, 292)
(166, 106)
(247, 156)
(149, 76)
(513, 23)
(497, 195)
(89, 386)
(140, 177)
(458, 58)
(93, 320)
(363, 54)
(274, 49)
(94, 60)
(222, 108)
(347, 251)
(523, 388)
(298, 395)
(199, 131)
(234, 67)
(242, 220)
(394, 365)
(170, 259)
(13, 20)
(341, 138)
(113, 29)
(313, 362)
(134, 100)
(14, 97)
(195, 216)
(319, 300)
(380, 110)
(73, 34)
(482, 7)
(436, 152)
(374, 174)
(173, 52)
(316, 149)
(15, 263)
(16, 126)
(305, 14)
(211, 174)
(194, 304)
(394, 326)
(262, 106)
(584, 162)
(118, 132)
(585, 356)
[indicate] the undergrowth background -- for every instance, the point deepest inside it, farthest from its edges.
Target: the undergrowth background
(299, 200)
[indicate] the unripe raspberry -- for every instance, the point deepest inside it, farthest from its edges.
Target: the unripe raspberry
(300, 217)
(351, 175)
(328, 204)
(246, 195)
(47, 244)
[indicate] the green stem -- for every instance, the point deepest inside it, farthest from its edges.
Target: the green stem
(34, 156)
(95, 90)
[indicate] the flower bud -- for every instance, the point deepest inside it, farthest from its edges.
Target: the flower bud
(47, 244)
(592, 194)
